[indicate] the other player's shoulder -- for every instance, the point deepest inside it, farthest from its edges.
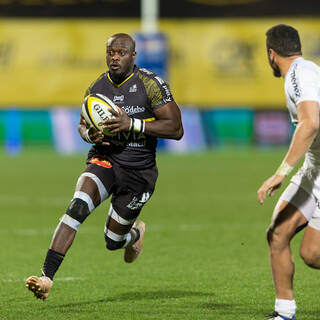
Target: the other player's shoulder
(304, 69)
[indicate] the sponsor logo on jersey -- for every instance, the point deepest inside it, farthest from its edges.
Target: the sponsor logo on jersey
(129, 110)
(136, 203)
(295, 82)
(118, 98)
(146, 71)
(101, 161)
(133, 88)
(136, 144)
(166, 89)
(159, 80)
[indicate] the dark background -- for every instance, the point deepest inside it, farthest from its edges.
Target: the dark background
(168, 8)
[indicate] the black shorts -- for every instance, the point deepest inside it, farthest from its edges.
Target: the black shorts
(130, 188)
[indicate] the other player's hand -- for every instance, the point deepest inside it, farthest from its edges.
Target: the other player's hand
(269, 187)
(120, 122)
(96, 136)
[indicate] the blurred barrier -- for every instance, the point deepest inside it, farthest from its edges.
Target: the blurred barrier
(228, 127)
(194, 137)
(272, 128)
(48, 62)
(153, 52)
(204, 129)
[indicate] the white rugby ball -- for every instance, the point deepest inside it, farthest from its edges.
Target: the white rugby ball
(95, 109)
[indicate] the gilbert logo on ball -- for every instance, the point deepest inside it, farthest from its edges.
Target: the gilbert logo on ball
(96, 109)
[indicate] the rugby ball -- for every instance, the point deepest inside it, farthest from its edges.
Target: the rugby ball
(96, 108)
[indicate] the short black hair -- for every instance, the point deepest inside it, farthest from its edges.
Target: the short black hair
(131, 41)
(284, 40)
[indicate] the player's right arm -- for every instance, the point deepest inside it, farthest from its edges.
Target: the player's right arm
(89, 133)
(306, 131)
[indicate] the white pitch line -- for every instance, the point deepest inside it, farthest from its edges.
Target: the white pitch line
(55, 279)
(29, 232)
(16, 200)
(70, 279)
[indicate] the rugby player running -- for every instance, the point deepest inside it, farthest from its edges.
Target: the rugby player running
(123, 165)
(298, 205)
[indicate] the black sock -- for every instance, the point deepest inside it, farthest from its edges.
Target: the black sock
(52, 263)
(138, 234)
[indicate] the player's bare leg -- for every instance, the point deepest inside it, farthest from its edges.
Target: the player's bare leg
(287, 221)
(123, 233)
(61, 242)
(310, 247)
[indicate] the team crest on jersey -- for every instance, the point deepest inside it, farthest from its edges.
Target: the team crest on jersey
(133, 88)
(118, 98)
(101, 161)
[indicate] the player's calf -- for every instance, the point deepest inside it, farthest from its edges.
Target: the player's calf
(113, 245)
(117, 230)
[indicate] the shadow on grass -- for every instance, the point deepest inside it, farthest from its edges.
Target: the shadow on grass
(148, 295)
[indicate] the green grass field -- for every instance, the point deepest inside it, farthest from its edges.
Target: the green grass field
(205, 254)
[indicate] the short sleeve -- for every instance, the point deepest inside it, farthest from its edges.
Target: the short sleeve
(306, 85)
(158, 91)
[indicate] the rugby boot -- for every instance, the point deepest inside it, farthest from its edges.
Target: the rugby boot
(277, 316)
(132, 251)
(40, 286)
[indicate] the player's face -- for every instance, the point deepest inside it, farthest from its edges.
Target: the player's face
(274, 66)
(120, 58)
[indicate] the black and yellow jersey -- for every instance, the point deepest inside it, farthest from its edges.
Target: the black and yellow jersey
(139, 95)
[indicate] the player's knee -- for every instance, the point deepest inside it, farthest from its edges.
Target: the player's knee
(310, 256)
(78, 210)
(113, 245)
(277, 239)
(269, 234)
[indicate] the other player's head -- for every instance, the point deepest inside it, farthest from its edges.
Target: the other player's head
(284, 41)
(120, 56)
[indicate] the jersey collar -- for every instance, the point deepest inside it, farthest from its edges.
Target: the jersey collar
(125, 80)
(293, 63)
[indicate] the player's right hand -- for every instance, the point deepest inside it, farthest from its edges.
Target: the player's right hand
(269, 187)
(97, 137)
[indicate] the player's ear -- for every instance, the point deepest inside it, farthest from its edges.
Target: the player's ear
(134, 54)
(271, 52)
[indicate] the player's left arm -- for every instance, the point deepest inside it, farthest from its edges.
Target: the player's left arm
(167, 123)
(306, 131)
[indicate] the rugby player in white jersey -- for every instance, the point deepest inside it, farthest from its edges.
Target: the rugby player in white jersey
(298, 205)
